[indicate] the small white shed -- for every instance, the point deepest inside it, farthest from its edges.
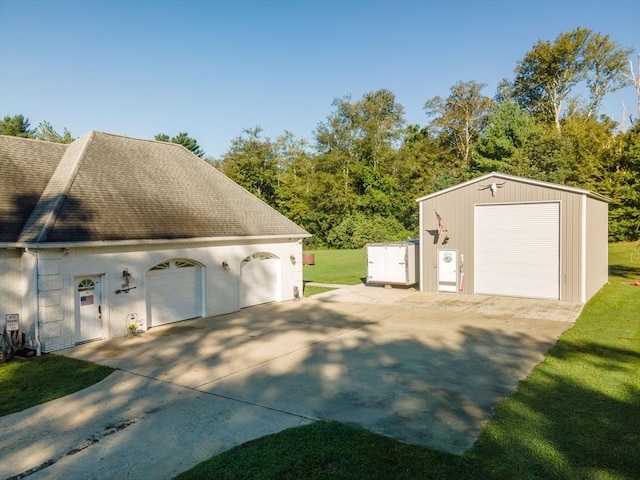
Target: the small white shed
(393, 263)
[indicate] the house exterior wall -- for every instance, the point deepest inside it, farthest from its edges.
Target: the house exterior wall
(58, 273)
(11, 285)
(456, 207)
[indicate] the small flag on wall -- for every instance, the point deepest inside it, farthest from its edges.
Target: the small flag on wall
(441, 227)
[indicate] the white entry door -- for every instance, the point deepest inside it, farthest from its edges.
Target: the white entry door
(447, 271)
(88, 309)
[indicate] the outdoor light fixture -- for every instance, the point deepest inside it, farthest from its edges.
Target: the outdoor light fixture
(225, 265)
(126, 276)
(293, 259)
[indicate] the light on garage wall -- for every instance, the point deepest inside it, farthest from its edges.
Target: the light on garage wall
(293, 259)
(225, 265)
(126, 279)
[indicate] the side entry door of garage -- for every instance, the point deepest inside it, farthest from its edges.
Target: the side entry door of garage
(517, 250)
(174, 292)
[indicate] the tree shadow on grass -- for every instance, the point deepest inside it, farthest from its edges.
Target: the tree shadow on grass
(624, 271)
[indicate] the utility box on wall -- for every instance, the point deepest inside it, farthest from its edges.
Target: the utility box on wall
(393, 263)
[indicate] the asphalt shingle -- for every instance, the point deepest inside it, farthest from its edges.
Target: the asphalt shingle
(106, 187)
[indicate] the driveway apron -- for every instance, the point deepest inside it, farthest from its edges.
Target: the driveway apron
(392, 360)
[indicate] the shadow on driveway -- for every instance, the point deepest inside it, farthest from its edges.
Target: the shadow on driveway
(189, 390)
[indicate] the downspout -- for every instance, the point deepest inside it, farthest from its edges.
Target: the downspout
(37, 309)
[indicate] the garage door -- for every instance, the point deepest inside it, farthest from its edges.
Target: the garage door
(259, 279)
(174, 291)
(517, 250)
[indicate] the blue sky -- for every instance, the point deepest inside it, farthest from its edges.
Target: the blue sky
(214, 68)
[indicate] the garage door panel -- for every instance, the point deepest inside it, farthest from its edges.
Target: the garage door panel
(517, 250)
(259, 281)
(174, 294)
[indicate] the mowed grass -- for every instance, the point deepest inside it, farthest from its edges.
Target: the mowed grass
(28, 382)
(577, 415)
(344, 267)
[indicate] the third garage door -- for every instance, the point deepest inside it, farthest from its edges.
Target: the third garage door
(517, 250)
(259, 279)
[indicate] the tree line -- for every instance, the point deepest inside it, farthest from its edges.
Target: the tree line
(357, 181)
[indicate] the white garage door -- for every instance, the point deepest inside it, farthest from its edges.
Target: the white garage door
(259, 279)
(517, 250)
(174, 292)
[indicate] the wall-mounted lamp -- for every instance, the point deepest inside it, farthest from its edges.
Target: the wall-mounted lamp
(225, 265)
(293, 259)
(126, 276)
(65, 251)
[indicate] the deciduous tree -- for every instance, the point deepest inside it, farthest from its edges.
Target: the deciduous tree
(459, 118)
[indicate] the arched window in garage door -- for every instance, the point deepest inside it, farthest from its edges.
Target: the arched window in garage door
(259, 279)
(174, 291)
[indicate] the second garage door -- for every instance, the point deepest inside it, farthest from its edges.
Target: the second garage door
(174, 292)
(517, 250)
(259, 279)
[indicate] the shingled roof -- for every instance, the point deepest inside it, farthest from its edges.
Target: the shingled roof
(106, 187)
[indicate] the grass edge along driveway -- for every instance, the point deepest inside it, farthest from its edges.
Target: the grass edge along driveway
(576, 416)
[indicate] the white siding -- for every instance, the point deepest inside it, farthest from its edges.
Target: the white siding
(220, 293)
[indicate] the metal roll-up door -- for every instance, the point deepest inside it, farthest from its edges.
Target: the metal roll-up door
(517, 250)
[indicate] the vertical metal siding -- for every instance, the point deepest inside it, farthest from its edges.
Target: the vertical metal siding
(456, 208)
(597, 246)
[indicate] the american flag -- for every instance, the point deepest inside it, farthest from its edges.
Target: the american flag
(440, 224)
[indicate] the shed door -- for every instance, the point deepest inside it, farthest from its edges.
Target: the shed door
(387, 264)
(174, 292)
(259, 279)
(517, 250)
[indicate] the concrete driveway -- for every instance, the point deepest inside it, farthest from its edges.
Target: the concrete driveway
(423, 368)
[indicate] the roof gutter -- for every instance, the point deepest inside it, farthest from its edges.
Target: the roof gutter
(117, 243)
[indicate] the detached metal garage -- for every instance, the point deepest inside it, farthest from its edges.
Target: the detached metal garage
(511, 236)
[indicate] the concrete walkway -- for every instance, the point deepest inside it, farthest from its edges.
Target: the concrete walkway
(392, 360)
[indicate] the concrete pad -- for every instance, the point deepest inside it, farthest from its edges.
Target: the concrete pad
(429, 381)
(128, 426)
(396, 361)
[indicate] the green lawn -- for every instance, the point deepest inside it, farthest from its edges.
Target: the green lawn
(345, 267)
(577, 416)
(28, 382)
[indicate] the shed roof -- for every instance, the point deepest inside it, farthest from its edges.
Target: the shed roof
(109, 188)
(504, 176)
